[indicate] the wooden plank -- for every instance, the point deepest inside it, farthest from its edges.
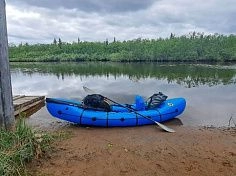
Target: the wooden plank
(25, 103)
(7, 119)
(32, 110)
(26, 100)
(17, 97)
(28, 107)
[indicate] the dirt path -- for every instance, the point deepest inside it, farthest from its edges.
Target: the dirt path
(141, 151)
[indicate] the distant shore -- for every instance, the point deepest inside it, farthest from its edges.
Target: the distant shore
(194, 47)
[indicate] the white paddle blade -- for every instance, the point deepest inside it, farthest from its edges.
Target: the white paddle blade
(165, 127)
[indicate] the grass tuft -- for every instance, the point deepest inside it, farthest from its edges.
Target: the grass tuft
(19, 147)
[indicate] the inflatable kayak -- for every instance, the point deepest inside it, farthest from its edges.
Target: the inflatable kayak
(73, 111)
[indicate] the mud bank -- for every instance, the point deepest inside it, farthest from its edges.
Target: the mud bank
(141, 151)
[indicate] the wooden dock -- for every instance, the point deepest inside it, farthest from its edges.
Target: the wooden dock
(27, 104)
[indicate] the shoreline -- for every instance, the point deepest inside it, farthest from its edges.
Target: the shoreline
(127, 61)
(140, 151)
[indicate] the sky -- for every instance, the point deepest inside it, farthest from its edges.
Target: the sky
(40, 21)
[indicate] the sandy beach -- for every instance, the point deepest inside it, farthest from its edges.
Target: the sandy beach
(141, 151)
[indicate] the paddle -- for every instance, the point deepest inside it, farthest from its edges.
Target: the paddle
(131, 109)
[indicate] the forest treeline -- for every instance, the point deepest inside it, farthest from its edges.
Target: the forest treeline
(187, 48)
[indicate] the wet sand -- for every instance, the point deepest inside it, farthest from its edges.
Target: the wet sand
(141, 151)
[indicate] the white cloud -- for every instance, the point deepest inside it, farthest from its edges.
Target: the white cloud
(41, 21)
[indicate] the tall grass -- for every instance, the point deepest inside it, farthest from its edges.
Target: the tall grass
(19, 147)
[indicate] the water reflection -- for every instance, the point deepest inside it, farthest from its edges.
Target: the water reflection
(210, 90)
(188, 75)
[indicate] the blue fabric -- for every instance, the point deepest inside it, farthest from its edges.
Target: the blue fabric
(139, 103)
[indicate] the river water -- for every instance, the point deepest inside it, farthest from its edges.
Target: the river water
(210, 90)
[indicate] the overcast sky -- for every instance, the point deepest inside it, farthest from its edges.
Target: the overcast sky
(39, 21)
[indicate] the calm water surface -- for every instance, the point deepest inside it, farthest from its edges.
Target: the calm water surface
(210, 90)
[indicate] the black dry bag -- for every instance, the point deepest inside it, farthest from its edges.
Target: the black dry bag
(155, 100)
(96, 102)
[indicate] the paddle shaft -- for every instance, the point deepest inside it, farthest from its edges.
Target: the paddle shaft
(131, 109)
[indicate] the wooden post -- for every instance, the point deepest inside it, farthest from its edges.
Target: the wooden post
(7, 119)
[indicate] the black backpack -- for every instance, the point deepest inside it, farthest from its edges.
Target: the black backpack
(155, 100)
(96, 102)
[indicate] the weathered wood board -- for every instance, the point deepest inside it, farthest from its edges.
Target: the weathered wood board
(24, 103)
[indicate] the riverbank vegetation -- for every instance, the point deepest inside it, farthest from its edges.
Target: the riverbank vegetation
(194, 47)
(19, 147)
